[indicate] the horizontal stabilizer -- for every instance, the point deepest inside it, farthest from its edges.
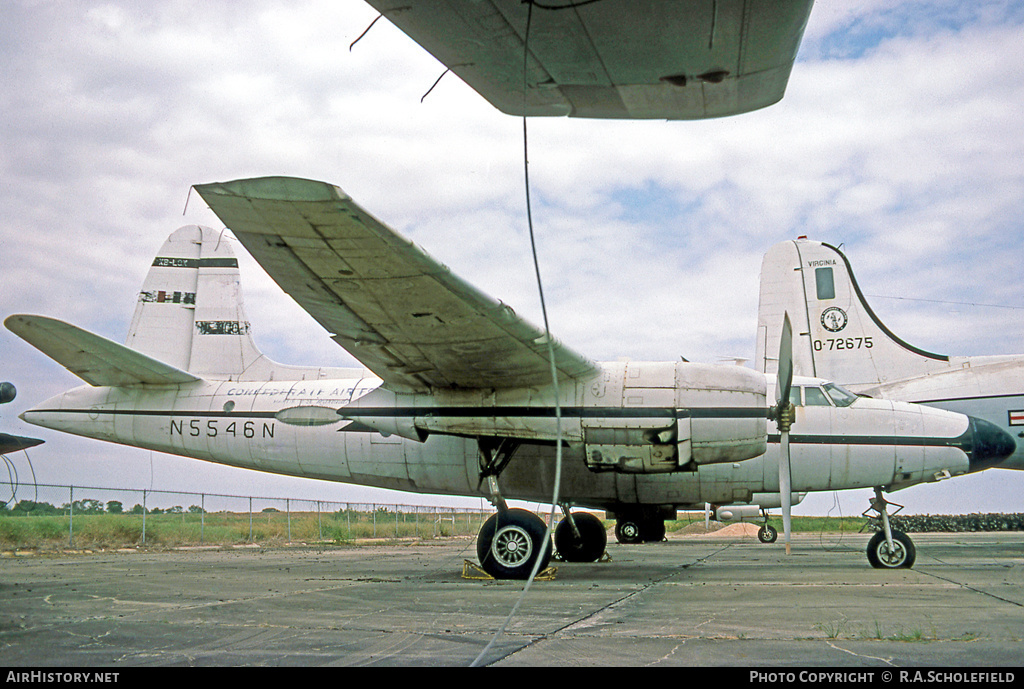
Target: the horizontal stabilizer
(96, 360)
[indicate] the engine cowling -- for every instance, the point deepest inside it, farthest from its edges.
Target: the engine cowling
(674, 416)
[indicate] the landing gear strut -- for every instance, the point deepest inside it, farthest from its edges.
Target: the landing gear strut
(889, 548)
(512, 542)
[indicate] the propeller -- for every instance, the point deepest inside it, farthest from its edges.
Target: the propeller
(783, 414)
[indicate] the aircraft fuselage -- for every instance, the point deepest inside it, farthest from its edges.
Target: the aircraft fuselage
(325, 429)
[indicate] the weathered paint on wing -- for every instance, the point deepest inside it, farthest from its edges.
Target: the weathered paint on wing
(640, 59)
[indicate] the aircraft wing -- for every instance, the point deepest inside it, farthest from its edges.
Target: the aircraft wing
(635, 59)
(393, 307)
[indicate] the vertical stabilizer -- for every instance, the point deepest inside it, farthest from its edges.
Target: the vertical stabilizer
(836, 335)
(190, 312)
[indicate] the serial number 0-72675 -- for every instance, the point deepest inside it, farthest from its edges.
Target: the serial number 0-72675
(835, 343)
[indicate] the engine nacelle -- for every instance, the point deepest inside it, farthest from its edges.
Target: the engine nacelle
(674, 416)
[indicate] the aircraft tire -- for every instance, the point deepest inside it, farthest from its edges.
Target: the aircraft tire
(591, 544)
(653, 531)
(904, 553)
(767, 534)
(627, 531)
(509, 544)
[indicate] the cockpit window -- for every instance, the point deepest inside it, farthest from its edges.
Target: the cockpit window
(815, 397)
(841, 396)
(794, 396)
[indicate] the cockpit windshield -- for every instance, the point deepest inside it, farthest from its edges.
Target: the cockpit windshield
(840, 396)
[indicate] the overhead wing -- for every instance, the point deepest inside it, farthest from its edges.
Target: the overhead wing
(397, 310)
(94, 359)
(636, 59)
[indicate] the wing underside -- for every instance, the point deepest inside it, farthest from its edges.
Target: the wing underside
(637, 59)
(397, 310)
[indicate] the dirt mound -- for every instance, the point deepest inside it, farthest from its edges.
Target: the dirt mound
(717, 530)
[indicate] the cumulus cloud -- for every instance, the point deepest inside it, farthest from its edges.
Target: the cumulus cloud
(900, 137)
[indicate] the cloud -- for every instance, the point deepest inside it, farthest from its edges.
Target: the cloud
(900, 137)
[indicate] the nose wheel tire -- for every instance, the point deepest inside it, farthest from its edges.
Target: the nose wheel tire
(767, 534)
(511, 542)
(902, 554)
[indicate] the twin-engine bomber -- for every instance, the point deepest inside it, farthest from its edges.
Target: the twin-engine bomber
(459, 394)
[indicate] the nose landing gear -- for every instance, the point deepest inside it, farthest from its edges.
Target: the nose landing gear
(889, 548)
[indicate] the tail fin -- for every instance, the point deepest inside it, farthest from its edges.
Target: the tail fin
(190, 312)
(836, 334)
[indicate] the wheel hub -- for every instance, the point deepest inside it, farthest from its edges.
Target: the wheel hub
(512, 546)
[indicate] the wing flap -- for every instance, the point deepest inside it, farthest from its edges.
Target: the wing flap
(397, 310)
(95, 359)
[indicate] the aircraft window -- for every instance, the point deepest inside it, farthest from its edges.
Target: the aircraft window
(841, 396)
(825, 283)
(794, 396)
(815, 397)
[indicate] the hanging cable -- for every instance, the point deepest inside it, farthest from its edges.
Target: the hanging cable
(366, 31)
(551, 359)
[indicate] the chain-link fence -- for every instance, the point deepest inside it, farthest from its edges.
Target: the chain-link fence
(84, 516)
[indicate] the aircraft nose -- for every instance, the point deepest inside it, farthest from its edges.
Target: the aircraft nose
(987, 444)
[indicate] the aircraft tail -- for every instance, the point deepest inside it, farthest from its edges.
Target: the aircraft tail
(836, 334)
(190, 313)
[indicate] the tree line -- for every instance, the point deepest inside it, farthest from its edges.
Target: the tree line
(24, 508)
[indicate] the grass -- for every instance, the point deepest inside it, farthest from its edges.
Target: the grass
(275, 527)
(228, 528)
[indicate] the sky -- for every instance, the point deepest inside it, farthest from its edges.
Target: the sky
(900, 138)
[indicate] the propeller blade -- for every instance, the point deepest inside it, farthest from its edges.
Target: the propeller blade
(785, 419)
(785, 369)
(785, 489)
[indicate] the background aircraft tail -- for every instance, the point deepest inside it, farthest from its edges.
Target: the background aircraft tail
(836, 335)
(190, 313)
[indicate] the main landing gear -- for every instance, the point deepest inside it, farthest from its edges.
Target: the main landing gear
(889, 548)
(514, 542)
(511, 543)
(641, 526)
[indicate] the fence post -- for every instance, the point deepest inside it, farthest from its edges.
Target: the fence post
(319, 521)
(71, 517)
(288, 510)
(250, 519)
(144, 510)
(202, 518)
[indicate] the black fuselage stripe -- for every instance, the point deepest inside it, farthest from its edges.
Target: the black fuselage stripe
(470, 412)
(796, 439)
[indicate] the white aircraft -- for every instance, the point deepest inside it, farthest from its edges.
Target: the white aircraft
(458, 396)
(839, 337)
(661, 59)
